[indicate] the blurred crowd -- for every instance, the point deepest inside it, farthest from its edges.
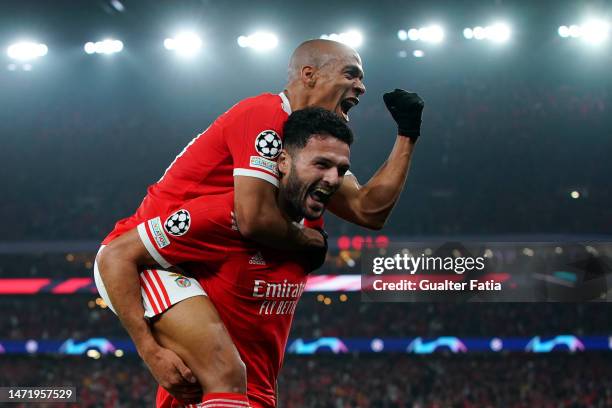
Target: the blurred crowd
(80, 317)
(407, 382)
(386, 381)
(105, 383)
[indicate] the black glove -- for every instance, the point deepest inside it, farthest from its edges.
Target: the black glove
(406, 109)
(316, 257)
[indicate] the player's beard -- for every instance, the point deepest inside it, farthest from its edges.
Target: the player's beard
(294, 194)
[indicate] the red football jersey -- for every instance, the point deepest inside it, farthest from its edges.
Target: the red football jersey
(256, 294)
(255, 289)
(245, 140)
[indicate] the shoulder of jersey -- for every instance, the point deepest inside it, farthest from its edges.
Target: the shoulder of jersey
(263, 101)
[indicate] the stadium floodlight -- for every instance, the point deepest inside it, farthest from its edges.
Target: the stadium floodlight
(418, 53)
(26, 51)
(574, 31)
(498, 32)
(185, 44)
(402, 35)
(479, 33)
(595, 31)
(352, 38)
(259, 41)
(563, 31)
(108, 46)
(89, 47)
(431, 34)
(413, 34)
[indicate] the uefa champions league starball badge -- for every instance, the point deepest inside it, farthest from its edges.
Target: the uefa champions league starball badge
(268, 144)
(178, 223)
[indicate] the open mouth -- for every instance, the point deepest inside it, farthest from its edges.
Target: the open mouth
(346, 105)
(321, 195)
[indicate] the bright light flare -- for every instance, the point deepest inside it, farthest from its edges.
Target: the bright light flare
(592, 31)
(595, 31)
(259, 41)
(498, 32)
(352, 38)
(563, 31)
(184, 44)
(108, 46)
(432, 34)
(26, 51)
(574, 31)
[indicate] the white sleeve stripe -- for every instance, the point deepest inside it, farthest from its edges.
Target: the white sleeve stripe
(144, 237)
(258, 174)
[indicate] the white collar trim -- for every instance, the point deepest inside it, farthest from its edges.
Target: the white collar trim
(285, 105)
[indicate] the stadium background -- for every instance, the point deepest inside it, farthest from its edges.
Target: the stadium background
(516, 143)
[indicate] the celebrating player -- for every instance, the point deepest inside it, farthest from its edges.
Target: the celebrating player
(255, 288)
(237, 153)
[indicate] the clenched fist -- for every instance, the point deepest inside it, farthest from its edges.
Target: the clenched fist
(406, 109)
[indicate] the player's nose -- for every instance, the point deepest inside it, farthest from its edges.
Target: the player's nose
(359, 87)
(332, 178)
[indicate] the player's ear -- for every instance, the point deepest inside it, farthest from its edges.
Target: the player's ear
(283, 162)
(308, 76)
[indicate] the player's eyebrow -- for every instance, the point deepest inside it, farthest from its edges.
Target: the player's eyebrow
(328, 162)
(323, 160)
(354, 70)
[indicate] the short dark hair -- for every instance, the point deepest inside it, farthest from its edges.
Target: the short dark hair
(304, 123)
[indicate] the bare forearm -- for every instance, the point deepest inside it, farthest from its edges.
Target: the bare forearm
(259, 218)
(383, 190)
(277, 232)
(121, 279)
(370, 205)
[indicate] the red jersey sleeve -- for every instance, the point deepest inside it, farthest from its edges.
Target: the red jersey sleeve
(258, 142)
(200, 231)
